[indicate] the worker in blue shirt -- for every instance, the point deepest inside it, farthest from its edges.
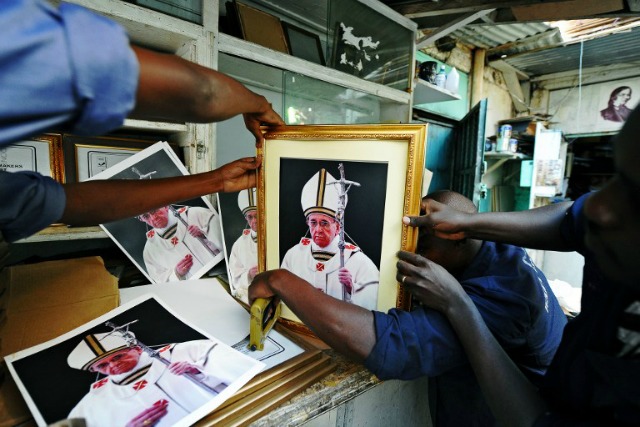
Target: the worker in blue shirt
(511, 294)
(594, 379)
(67, 69)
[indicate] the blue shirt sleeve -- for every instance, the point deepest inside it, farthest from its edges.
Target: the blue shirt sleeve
(30, 202)
(572, 227)
(512, 296)
(62, 68)
(413, 344)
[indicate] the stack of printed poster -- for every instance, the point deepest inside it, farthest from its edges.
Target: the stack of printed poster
(176, 351)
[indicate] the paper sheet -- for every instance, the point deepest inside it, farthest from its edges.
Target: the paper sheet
(207, 304)
(76, 375)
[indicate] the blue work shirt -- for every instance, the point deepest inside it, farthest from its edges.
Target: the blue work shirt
(62, 69)
(517, 304)
(592, 381)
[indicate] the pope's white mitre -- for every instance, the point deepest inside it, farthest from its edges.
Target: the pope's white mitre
(93, 348)
(247, 200)
(320, 194)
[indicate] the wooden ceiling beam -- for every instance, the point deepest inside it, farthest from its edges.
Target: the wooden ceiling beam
(419, 9)
(505, 16)
(450, 27)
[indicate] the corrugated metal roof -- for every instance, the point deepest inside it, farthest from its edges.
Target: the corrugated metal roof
(492, 35)
(616, 48)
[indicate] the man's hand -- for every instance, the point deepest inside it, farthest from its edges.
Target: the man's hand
(181, 368)
(344, 276)
(260, 285)
(185, 264)
(150, 416)
(434, 286)
(195, 231)
(239, 174)
(441, 220)
(253, 121)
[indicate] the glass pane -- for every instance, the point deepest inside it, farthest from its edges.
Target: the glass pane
(310, 101)
(369, 45)
(189, 10)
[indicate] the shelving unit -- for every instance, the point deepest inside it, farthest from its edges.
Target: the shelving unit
(425, 92)
(204, 44)
(502, 157)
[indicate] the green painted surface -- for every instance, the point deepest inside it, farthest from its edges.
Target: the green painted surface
(455, 109)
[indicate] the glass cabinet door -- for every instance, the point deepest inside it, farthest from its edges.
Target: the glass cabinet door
(310, 101)
(369, 45)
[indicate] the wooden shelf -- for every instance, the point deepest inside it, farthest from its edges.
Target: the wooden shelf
(506, 155)
(160, 127)
(425, 93)
(63, 232)
(502, 157)
(253, 52)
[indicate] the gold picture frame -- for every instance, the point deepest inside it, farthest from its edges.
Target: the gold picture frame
(42, 154)
(387, 163)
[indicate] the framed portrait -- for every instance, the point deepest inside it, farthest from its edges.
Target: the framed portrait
(177, 242)
(261, 28)
(330, 206)
(303, 44)
(85, 157)
(42, 154)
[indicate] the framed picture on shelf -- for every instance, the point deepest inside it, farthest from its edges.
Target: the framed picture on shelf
(42, 154)
(332, 198)
(85, 157)
(261, 28)
(303, 44)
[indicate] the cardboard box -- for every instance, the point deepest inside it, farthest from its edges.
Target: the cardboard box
(43, 301)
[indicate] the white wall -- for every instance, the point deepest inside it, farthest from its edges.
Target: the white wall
(500, 106)
(565, 266)
(390, 403)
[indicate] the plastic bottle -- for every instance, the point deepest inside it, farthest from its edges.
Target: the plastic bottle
(441, 77)
(453, 81)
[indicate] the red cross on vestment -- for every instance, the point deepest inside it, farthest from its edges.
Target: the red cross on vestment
(150, 234)
(140, 385)
(319, 266)
(174, 241)
(305, 241)
(100, 383)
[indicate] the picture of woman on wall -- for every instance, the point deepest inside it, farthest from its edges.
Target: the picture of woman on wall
(617, 110)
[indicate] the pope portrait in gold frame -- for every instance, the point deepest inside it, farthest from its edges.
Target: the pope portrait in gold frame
(330, 206)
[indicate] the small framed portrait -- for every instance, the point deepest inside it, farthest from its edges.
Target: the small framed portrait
(42, 154)
(303, 44)
(180, 241)
(330, 206)
(261, 28)
(86, 157)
